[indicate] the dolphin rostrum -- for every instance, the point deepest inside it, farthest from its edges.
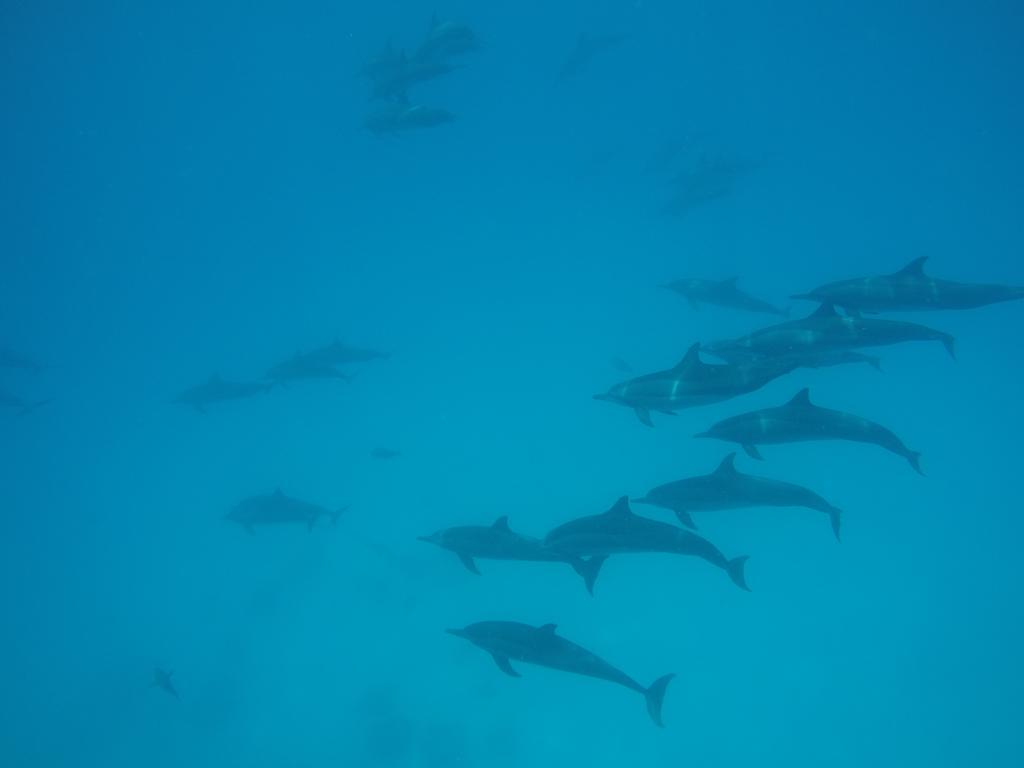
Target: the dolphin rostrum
(507, 640)
(621, 531)
(728, 488)
(910, 289)
(800, 420)
(278, 509)
(499, 542)
(693, 382)
(723, 293)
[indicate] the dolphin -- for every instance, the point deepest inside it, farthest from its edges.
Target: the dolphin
(499, 542)
(10, 358)
(385, 453)
(910, 289)
(337, 353)
(162, 680)
(727, 488)
(403, 117)
(723, 293)
(825, 359)
(507, 640)
(278, 509)
(216, 390)
(302, 367)
(446, 38)
(21, 405)
(621, 531)
(692, 382)
(395, 82)
(586, 50)
(800, 420)
(825, 330)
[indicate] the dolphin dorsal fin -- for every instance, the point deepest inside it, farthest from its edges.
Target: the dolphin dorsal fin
(914, 268)
(501, 524)
(547, 629)
(825, 310)
(691, 359)
(620, 508)
(728, 465)
(803, 397)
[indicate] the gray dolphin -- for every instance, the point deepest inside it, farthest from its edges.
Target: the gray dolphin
(692, 382)
(908, 290)
(394, 82)
(20, 404)
(217, 390)
(10, 358)
(586, 50)
(800, 420)
(825, 330)
(722, 293)
(396, 118)
(302, 367)
(278, 509)
(499, 542)
(162, 679)
(823, 359)
(506, 640)
(728, 488)
(337, 353)
(621, 531)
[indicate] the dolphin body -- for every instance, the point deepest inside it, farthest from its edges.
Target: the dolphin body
(21, 405)
(278, 509)
(217, 390)
(586, 50)
(337, 353)
(404, 117)
(162, 679)
(446, 39)
(727, 488)
(499, 542)
(507, 640)
(722, 293)
(621, 531)
(691, 383)
(825, 330)
(910, 289)
(10, 358)
(824, 359)
(302, 367)
(800, 420)
(394, 83)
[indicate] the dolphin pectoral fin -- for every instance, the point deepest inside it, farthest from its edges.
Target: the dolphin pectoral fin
(914, 457)
(834, 517)
(589, 569)
(685, 518)
(752, 451)
(644, 415)
(504, 665)
(735, 570)
(655, 696)
(468, 561)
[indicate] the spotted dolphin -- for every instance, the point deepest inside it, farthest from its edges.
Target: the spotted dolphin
(217, 390)
(722, 293)
(278, 509)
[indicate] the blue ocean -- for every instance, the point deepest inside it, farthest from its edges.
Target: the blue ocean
(471, 385)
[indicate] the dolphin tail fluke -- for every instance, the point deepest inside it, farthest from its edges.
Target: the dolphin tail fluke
(735, 569)
(589, 569)
(685, 518)
(950, 344)
(834, 514)
(914, 457)
(655, 696)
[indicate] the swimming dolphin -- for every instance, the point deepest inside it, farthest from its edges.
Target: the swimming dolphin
(404, 117)
(825, 330)
(692, 382)
(800, 420)
(385, 453)
(337, 353)
(217, 390)
(302, 367)
(910, 289)
(506, 640)
(586, 50)
(727, 488)
(394, 83)
(162, 680)
(621, 531)
(278, 509)
(446, 38)
(10, 358)
(499, 542)
(723, 293)
(824, 359)
(21, 405)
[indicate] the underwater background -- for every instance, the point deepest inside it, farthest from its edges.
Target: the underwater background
(189, 189)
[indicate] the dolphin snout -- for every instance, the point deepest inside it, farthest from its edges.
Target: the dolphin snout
(456, 632)
(604, 396)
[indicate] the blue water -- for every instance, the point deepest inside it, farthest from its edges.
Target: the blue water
(188, 189)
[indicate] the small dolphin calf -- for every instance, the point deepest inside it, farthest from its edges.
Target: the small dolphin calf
(278, 509)
(722, 293)
(800, 420)
(691, 383)
(621, 531)
(499, 542)
(507, 640)
(910, 289)
(162, 680)
(727, 488)
(217, 390)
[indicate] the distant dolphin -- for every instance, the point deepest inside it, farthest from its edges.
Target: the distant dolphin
(276, 509)
(301, 367)
(162, 680)
(690, 383)
(499, 542)
(621, 531)
(404, 117)
(799, 420)
(586, 50)
(217, 390)
(506, 640)
(823, 359)
(9, 358)
(824, 330)
(21, 405)
(337, 353)
(910, 289)
(722, 293)
(727, 488)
